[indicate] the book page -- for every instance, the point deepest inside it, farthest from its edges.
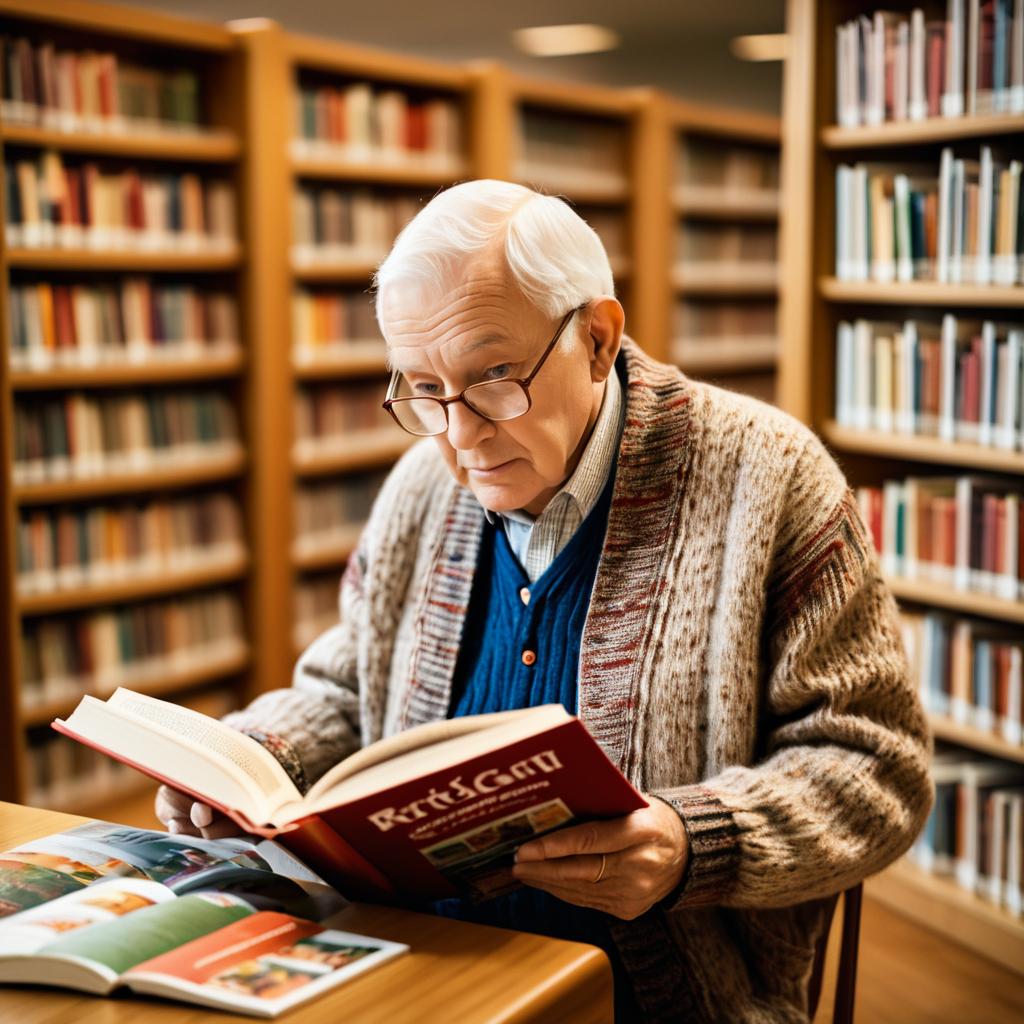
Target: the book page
(178, 759)
(262, 965)
(429, 735)
(417, 759)
(242, 751)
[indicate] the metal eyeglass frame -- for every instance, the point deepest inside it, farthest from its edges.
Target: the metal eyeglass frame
(523, 382)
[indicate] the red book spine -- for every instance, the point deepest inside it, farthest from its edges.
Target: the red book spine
(936, 69)
(64, 316)
(988, 533)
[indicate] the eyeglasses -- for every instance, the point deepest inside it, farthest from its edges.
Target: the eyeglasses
(505, 399)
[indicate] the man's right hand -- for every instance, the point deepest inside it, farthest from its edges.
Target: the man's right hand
(182, 815)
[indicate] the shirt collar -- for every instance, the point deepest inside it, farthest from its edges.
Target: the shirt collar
(591, 473)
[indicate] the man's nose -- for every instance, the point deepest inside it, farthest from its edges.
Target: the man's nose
(466, 429)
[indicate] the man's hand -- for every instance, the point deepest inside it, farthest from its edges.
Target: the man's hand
(645, 854)
(184, 816)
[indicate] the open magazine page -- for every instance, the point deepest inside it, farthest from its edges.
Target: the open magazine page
(32, 930)
(92, 957)
(49, 867)
(262, 965)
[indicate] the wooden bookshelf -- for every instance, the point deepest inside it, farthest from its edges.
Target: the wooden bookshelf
(909, 133)
(812, 303)
(155, 371)
(192, 147)
(213, 150)
(922, 293)
(708, 196)
(916, 448)
(278, 64)
(939, 903)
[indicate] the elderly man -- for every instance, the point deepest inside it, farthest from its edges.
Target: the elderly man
(683, 567)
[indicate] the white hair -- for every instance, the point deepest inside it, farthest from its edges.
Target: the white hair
(554, 255)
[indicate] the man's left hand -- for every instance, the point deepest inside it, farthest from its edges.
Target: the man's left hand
(644, 855)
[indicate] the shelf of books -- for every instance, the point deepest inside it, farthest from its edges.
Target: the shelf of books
(122, 380)
(354, 141)
(592, 146)
(724, 211)
(903, 324)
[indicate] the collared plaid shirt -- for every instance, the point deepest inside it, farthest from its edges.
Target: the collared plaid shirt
(537, 542)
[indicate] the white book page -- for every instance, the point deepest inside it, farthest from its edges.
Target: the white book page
(429, 735)
(421, 750)
(174, 754)
(213, 735)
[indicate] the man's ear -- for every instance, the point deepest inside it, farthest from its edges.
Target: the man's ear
(607, 321)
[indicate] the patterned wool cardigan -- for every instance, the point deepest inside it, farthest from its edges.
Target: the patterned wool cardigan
(741, 659)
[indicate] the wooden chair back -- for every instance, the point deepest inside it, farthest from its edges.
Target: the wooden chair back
(849, 947)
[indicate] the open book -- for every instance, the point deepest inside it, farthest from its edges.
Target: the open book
(435, 811)
(224, 923)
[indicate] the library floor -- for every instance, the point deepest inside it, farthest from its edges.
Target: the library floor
(907, 974)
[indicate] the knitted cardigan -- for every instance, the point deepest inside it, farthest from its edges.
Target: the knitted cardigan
(741, 660)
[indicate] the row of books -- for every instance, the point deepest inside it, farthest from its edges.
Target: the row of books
(87, 91)
(326, 320)
(80, 436)
(331, 509)
(975, 833)
(962, 532)
(355, 224)
(93, 545)
(316, 608)
(563, 153)
(134, 321)
(704, 161)
(129, 645)
(890, 67)
(961, 224)
(967, 670)
(362, 124)
(752, 318)
(726, 243)
(338, 410)
(55, 204)
(959, 380)
(70, 775)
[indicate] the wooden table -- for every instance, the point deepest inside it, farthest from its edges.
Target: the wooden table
(456, 972)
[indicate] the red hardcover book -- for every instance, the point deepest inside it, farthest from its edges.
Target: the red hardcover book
(936, 66)
(433, 812)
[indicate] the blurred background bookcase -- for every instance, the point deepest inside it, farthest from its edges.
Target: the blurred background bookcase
(325, 150)
(126, 557)
(724, 194)
(815, 302)
(335, 194)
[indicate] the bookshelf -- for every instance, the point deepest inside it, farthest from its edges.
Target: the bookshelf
(724, 212)
(321, 433)
(140, 621)
(814, 302)
(603, 150)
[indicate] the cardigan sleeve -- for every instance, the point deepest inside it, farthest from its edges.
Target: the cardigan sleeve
(314, 723)
(842, 787)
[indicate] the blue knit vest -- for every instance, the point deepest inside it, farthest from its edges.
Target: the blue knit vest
(509, 618)
(492, 675)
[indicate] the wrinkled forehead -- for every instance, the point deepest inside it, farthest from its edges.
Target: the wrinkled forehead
(445, 323)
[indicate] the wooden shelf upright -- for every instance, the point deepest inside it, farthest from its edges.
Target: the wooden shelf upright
(515, 118)
(277, 65)
(707, 146)
(812, 304)
(214, 149)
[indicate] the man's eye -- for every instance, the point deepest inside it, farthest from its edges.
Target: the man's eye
(497, 372)
(427, 389)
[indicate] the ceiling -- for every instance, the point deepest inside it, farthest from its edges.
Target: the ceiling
(682, 46)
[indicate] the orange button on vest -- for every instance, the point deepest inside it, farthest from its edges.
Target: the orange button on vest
(529, 657)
